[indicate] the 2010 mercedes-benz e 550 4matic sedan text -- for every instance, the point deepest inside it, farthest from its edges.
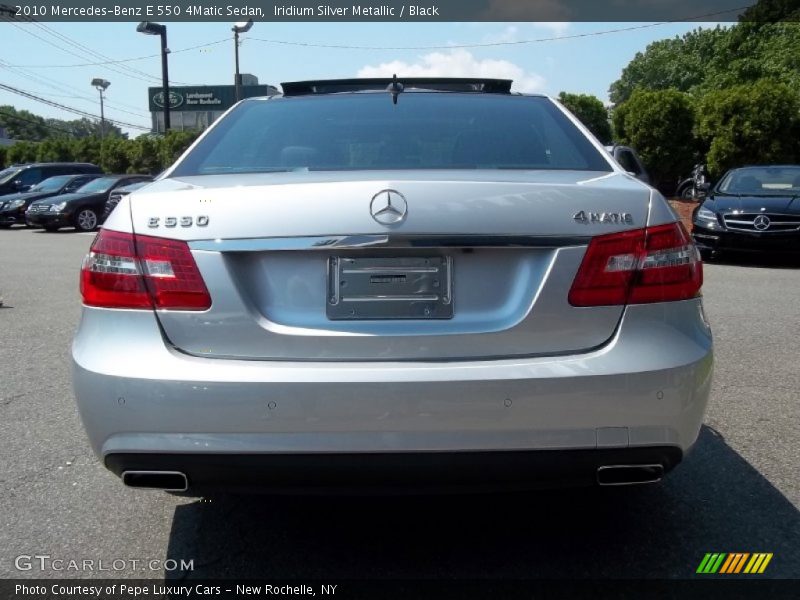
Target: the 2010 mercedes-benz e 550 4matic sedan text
(425, 283)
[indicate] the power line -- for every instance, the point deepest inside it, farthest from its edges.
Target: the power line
(71, 109)
(86, 52)
(123, 60)
(65, 88)
(502, 43)
(131, 71)
(67, 50)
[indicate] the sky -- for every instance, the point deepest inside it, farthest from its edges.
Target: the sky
(39, 58)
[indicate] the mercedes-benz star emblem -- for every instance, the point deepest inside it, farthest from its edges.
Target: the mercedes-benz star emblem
(761, 222)
(388, 207)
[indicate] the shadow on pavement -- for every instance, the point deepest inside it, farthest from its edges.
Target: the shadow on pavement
(714, 502)
(759, 260)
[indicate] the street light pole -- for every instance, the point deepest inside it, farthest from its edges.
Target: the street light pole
(237, 80)
(165, 79)
(237, 29)
(101, 85)
(150, 28)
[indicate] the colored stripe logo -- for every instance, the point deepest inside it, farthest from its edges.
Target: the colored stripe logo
(734, 563)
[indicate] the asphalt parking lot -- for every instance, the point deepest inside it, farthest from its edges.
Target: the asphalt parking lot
(738, 491)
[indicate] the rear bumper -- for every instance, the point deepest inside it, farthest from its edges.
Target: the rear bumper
(419, 471)
(144, 404)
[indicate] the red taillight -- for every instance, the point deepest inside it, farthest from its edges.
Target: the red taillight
(123, 270)
(657, 264)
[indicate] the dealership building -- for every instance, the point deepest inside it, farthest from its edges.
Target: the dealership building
(197, 107)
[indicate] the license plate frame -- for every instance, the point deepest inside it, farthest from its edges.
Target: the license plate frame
(389, 288)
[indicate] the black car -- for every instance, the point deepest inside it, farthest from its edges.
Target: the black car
(20, 178)
(13, 206)
(117, 195)
(81, 209)
(751, 208)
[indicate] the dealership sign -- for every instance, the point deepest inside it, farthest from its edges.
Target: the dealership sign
(203, 97)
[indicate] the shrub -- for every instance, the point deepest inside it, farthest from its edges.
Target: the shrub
(659, 124)
(591, 112)
(750, 124)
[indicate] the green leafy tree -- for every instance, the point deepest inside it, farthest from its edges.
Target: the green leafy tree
(22, 152)
(144, 154)
(750, 124)
(591, 112)
(618, 114)
(23, 125)
(173, 144)
(87, 150)
(84, 127)
(114, 155)
(659, 125)
(56, 149)
(765, 44)
(681, 63)
(3, 156)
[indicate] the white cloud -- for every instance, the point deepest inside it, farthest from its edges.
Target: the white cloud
(509, 34)
(557, 28)
(458, 63)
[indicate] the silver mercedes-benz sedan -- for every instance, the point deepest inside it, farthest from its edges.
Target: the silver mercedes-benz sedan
(400, 283)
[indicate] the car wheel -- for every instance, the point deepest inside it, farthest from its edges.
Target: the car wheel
(86, 220)
(50, 228)
(5, 225)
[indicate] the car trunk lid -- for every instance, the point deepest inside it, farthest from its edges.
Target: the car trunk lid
(491, 255)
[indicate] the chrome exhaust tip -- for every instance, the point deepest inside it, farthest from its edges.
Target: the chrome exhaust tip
(629, 474)
(168, 481)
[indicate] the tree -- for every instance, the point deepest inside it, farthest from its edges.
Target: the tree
(81, 128)
(173, 144)
(750, 124)
(681, 63)
(591, 112)
(3, 156)
(56, 149)
(760, 46)
(21, 152)
(113, 155)
(87, 150)
(144, 154)
(23, 125)
(659, 125)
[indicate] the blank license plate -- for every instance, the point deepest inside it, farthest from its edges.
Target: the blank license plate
(390, 288)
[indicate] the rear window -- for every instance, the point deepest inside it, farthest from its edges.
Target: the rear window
(367, 131)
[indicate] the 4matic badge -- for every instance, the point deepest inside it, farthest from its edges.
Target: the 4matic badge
(612, 218)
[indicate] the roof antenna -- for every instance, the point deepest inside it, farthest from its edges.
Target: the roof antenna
(394, 88)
